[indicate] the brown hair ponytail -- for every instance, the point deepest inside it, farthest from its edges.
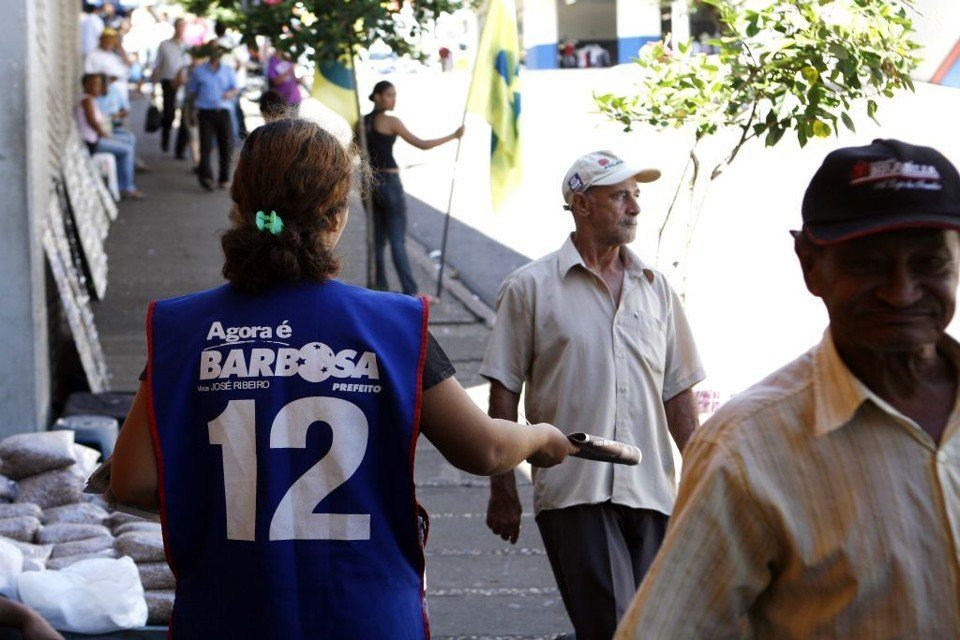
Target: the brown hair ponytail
(304, 174)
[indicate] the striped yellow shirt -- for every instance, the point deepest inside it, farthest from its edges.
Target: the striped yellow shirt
(810, 508)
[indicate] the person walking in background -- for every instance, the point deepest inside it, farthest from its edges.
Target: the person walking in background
(98, 138)
(825, 500)
(169, 71)
(91, 26)
(213, 87)
(229, 59)
(389, 203)
(282, 78)
(287, 497)
(593, 311)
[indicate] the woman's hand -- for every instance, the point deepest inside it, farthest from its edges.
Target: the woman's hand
(554, 448)
(458, 133)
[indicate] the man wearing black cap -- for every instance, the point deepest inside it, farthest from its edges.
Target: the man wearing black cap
(598, 342)
(825, 501)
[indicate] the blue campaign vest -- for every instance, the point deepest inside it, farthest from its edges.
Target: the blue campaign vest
(285, 427)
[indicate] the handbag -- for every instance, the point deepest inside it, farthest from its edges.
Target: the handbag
(153, 119)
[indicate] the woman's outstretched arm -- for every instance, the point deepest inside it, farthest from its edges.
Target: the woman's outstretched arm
(476, 443)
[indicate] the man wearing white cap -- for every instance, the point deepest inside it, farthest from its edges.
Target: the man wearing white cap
(600, 344)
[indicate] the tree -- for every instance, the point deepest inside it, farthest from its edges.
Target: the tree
(327, 30)
(331, 30)
(781, 65)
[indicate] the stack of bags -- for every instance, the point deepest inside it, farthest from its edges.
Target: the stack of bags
(141, 540)
(47, 517)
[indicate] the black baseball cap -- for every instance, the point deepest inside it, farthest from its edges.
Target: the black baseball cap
(883, 186)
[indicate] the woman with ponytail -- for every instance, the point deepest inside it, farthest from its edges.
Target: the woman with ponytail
(389, 203)
(275, 428)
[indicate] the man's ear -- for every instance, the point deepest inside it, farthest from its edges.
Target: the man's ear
(580, 205)
(811, 258)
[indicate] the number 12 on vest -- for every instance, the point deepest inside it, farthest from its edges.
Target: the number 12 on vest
(234, 431)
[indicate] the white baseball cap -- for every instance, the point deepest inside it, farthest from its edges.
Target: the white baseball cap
(601, 168)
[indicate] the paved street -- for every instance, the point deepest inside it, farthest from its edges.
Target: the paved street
(168, 244)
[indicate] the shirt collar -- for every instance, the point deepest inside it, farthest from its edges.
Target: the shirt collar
(569, 257)
(838, 394)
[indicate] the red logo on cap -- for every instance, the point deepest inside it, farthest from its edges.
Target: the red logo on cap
(860, 170)
(604, 162)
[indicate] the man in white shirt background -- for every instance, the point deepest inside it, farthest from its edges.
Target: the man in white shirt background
(169, 72)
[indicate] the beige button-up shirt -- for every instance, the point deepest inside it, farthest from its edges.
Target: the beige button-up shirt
(592, 366)
(810, 508)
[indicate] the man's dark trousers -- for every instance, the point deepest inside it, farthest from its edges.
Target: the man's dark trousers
(169, 113)
(215, 123)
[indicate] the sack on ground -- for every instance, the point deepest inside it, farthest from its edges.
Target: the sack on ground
(68, 532)
(78, 547)
(142, 546)
(22, 528)
(55, 564)
(27, 454)
(53, 488)
(159, 607)
(20, 509)
(127, 527)
(156, 576)
(95, 596)
(79, 513)
(8, 489)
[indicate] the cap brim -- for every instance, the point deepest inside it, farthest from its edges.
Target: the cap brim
(626, 172)
(841, 232)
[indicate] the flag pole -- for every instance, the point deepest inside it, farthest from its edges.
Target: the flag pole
(453, 184)
(446, 218)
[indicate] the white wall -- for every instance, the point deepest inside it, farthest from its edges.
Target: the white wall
(24, 383)
(938, 28)
(746, 299)
(587, 20)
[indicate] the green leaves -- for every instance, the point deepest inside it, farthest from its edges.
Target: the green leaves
(782, 65)
(326, 29)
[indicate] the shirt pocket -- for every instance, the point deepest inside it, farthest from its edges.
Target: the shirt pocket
(651, 341)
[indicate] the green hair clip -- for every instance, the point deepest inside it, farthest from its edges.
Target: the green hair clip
(272, 223)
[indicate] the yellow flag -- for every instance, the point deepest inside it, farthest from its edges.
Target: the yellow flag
(334, 86)
(495, 95)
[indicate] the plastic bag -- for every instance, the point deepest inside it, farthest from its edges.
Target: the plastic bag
(100, 595)
(11, 566)
(34, 555)
(87, 459)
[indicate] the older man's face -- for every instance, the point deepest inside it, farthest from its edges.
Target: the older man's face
(888, 292)
(613, 211)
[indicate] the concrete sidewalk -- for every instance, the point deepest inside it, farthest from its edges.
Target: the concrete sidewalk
(168, 244)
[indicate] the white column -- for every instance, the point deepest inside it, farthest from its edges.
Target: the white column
(638, 22)
(680, 19)
(540, 33)
(24, 352)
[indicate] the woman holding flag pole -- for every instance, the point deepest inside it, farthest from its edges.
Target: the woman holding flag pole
(389, 204)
